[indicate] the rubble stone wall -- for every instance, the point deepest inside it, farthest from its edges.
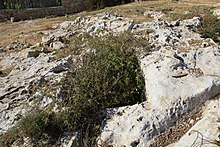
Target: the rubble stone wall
(30, 13)
(68, 6)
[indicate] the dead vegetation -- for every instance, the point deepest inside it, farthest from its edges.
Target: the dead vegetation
(6, 71)
(25, 31)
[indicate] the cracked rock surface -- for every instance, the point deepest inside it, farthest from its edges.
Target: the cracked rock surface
(16, 89)
(177, 82)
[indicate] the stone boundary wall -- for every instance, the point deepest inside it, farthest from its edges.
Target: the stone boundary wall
(23, 14)
(68, 7)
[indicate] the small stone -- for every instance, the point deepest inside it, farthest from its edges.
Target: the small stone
(35, 46)
(45, 102)
(58, 69)
(12, 19)
(46, 40)
(9, 48)
(27, 45)
(90, 29)
(65, 24)
(191, 122)
(57, 45)
(44, 50)
(33, 53)
(2, 49)
(216, 12)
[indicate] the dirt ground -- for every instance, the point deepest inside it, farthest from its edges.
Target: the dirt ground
(25, 31)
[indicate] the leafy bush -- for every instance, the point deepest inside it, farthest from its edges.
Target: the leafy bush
(110, 76)
(38, 125)
(12, 5)
(210, 27)
(17, 5)
(9, 138)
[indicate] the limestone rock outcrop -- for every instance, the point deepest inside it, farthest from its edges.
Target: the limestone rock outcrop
(174, 89)
(17, 88)
(181, 74)
(205, 132)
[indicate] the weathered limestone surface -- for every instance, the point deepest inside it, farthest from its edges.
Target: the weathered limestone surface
(173, 90)
(177, 82)
(17, 88)
(205, 131)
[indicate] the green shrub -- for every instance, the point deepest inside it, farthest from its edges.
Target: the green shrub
(210, 27)
(17, 5)
(110, 76)
(182, 16)
(38, 125)
(10, 137)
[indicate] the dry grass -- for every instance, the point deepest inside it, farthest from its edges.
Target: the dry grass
(25, 31)
(133, 10)
(173, 134)
(204, 1)
(6, 71)
(174, 10)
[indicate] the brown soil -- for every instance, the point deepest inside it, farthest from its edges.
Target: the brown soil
(25, 31)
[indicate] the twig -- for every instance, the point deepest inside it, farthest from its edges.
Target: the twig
(203, 140)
